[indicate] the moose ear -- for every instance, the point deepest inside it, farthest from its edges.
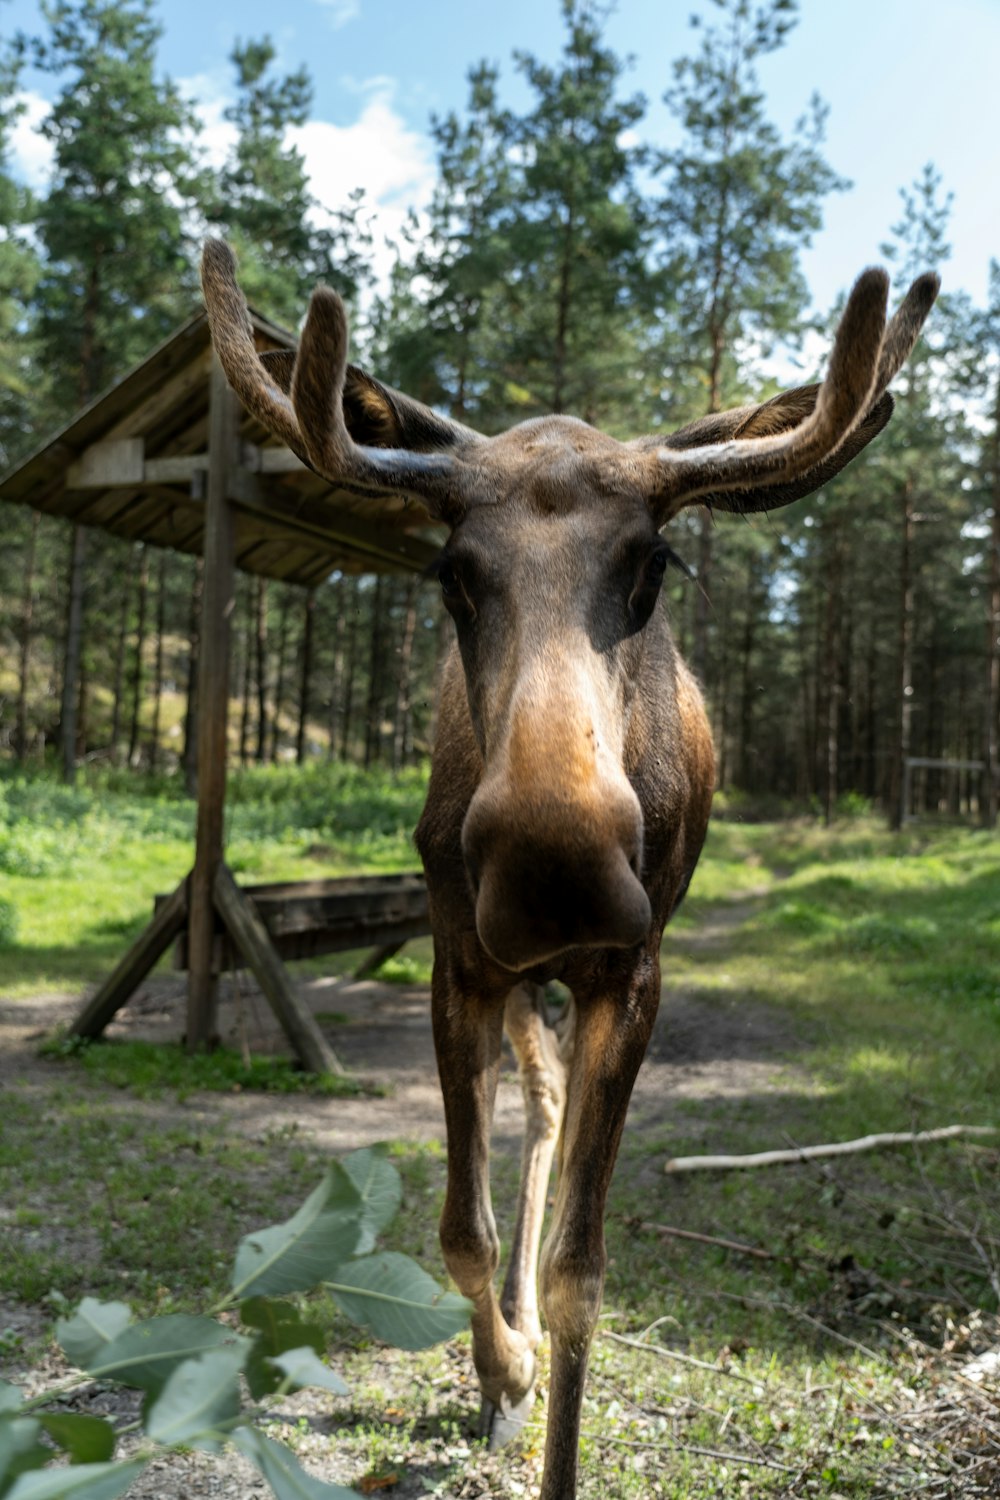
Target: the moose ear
(778, 415)
(375, 415)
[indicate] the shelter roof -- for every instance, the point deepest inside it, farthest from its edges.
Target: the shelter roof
(134, 463)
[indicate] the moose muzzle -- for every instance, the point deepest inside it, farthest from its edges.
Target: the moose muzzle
(552, 844)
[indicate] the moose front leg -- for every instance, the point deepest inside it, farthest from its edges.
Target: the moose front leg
(542, 1055)
(612, 1033)
(468, 1033)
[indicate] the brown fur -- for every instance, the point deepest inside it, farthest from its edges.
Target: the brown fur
(573, 769)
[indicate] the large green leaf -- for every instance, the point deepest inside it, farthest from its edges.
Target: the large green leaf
(381, 1191)
(11, 1397)
(19, 1448)
(80, 1482)
(282, 1470)
(305, 1367)
(147, 1353)
(93, 1325)
(307, 1248)
(200, 1398)
(280, 1330)
(392, 1296)
(87, 1440)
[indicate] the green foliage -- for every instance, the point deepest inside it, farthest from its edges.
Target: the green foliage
(82, 865)
(262, 199)
(8, 923)
(732, 264)
(189, 1367)
(113, 219)
(149, 1069)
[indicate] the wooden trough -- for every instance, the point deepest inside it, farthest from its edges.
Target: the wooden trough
(305, 918)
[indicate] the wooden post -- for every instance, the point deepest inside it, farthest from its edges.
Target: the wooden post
(251, 936)
(213, 708)
(132, 969)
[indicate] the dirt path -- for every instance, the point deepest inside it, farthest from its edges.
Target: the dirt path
(708, 1043)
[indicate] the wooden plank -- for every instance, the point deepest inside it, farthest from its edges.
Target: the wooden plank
(305, 919)
(107, 465)
(373, 961)
(178, 468)
(131, 970)
(218, 601)
(249, 933)
(311, 516)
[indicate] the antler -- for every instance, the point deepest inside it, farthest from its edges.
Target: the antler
(848, 409)
(311, 418)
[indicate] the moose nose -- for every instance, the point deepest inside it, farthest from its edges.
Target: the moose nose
(548, 877)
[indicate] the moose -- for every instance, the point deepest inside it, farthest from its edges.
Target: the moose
(573, 769)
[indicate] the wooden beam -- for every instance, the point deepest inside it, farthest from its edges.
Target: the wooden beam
(179, 468)
(108, 465)
(218, 601)
(312, 517)
(251, 937)
(374, 960)
(260, 460)
(168, 921)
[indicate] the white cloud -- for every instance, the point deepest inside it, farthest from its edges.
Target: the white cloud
(30, 153)
(207, 95)
(341, 11)
(378, 152)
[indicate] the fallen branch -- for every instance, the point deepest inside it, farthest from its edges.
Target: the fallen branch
(831, 1148)
(710, 1239)
(664, 1353)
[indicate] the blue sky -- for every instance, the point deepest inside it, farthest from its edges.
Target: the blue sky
(907, 82)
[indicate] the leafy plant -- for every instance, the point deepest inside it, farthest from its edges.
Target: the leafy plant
(189, 1367)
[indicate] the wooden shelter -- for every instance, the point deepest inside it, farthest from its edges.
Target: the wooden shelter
(167, 456)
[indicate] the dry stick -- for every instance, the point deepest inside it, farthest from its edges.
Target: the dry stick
(831, 1148)
(665, 1353)
(710, 1239)
(675, 1447)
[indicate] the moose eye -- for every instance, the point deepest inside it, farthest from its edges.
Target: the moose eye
(644, 595)
(657, 565)
(448, 579)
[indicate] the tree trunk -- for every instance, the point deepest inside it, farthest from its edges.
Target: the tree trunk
(402, 726)
(161, 615)
(306, 677)
(350, 671)
(247, 680)
(376, 677)
(189, 755)
(904, 700)
(140, 642)
(990, 793)
(24, 653)
(121, 647)
(71, 655)
(831, 674)
(279, 685)
(261, 642)
(338, 594)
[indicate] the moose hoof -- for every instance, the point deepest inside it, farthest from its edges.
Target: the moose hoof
(503, 1423)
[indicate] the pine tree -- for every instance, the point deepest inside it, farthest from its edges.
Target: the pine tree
(118, 274)
(739, 205)
(576, 232)
(262, 200)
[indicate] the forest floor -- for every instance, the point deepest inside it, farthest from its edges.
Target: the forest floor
(833, 986)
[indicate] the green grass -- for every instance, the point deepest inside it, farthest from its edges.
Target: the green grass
(870, 965)
(79, 867)
(152, 1069)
